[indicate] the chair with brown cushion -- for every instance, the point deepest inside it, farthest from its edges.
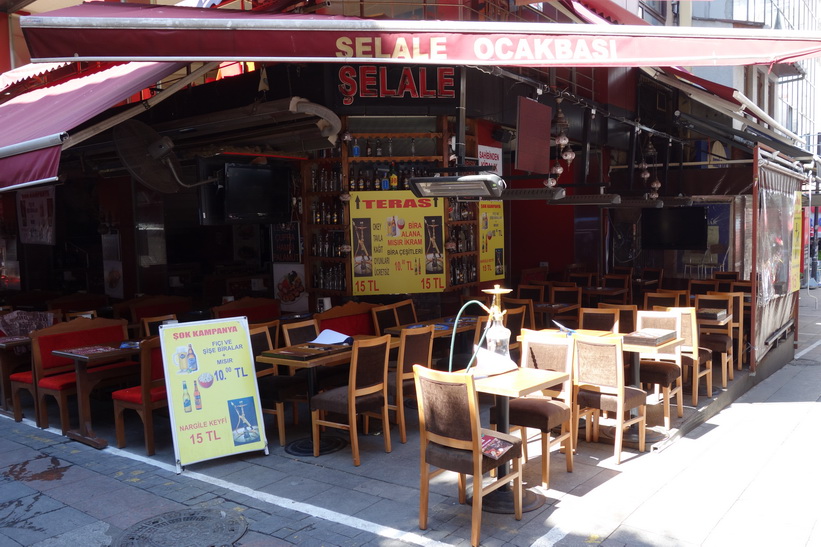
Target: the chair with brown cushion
(725, 280)
(656, 299)
(599, 319)
(365, 394)
(663, 369)
(581, 279)
(627, 315)
(696, 361)
(275, 389)
(530, 292)
(529, 315)
(618, 281)
(450, 437)
(405, 312)
(717, 338)
(384, 317)
(273, 330)
(550, 408)
(701, 286)
(144, 398)
(415, 348)
(150, 326)
(598, 386)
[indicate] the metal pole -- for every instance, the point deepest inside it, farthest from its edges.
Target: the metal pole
(460, 118)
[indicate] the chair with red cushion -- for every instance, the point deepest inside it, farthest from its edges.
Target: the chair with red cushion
(145, 398)
(55, 376)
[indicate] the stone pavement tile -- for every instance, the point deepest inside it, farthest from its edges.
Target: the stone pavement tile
(6, 541)
(11, 490)
(389, 490)
(14, 452)
(295, 488)
(105, 503)
(254, 476)
(137, 513)
(343, 500)
(402, 515)
(254, 539)
(37, 524)
(45, 472)
(97, 534)
(97, 485)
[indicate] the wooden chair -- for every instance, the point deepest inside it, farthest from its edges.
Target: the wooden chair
(384, 317)
(275, 389)
(627, 315)
(663, 369)
(300, 332)
(648, 275)
(725, 280)
(571, 296)
(683, 296)
(451, 440)
(655, 299)
(718, 339)
(529, 316)
(599, 319)
(616, 281)
(746, 288)
(737, 324)
(144, 398)
(701, 286)
(548, 409)
(150, 326)
(54, 376)
(366, 393)
(514, 319)
(405, 312)
(696, 361)
(415, 348)
(598, 385)
(581, 279)
(530, 292)
(273, 330)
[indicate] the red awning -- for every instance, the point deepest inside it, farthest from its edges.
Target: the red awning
(723, 91)
(35, 123)
(130, 32)
(594, 11)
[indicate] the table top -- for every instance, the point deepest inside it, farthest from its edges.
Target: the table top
(520, 382)
(8, 342)
(96, 352)
(443, 326)
(285, 356)
(606, 291)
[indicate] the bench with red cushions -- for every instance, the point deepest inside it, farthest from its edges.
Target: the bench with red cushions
(351, 318)
(55, 375)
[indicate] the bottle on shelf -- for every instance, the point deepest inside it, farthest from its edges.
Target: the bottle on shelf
(378, 147)
(355, 150)
(368, 148)
(390, 147)
(413, 147)
(393, 177)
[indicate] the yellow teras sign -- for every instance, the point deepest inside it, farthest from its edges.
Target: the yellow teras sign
(212, 390)
(397, 243)
(492, 240)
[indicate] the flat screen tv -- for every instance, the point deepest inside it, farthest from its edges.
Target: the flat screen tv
(677, 228)
(257, 193)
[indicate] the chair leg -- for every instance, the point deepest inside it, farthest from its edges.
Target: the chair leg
(665, 394)
(65, 421)
(354, 436)
(568, 448)
(546, 459)
(619, 436)
(461, 483)
(679, 397)
(642, 427)
(386, 427)
(148, 430)
(315, 431)
(523, 432)
(119, 426)
(400, 416)
(42, 412)
(517, 489)
(695, 382)
(476, 516)
(280, 417)
(424, 494)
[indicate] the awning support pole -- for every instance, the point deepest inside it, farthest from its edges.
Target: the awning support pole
(461, 130)
(107, 124)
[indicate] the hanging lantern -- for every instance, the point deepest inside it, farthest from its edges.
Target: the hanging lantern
(645, 174)
(556, 169)
(568, 154)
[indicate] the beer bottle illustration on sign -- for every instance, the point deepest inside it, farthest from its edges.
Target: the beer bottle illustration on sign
(197, 397)
(186, 398)
(192, 359)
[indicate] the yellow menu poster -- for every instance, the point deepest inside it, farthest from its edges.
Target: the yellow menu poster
(492, 240)
(396, 243)
(212, 390)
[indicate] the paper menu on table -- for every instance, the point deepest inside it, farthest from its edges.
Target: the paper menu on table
(489, 363)
(328, 336)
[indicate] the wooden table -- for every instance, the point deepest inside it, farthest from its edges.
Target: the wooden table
(599, 292)
(86, 359)
(9, 363)
(517, 383)
(548, 311)
(443, 326)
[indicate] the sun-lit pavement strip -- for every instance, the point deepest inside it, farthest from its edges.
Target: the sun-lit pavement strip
(285, 503)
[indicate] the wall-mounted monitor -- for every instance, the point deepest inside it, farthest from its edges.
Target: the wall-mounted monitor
(675, 228)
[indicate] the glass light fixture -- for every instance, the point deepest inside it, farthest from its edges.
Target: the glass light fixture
(568, 154)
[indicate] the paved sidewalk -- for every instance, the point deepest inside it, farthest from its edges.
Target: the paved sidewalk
(745, 476)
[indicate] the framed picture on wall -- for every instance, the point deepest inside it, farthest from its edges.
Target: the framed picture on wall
(290, 287)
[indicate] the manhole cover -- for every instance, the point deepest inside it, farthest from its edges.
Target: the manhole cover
(185, 528)
(305, 447)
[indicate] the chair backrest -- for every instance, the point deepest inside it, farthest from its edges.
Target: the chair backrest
(88, 314)
(598, 362)
(530, 292)
(742, 286)
(300, 332)
(667, 320)
(529, 313)
(260, 341)
(566, 295)
(733, 276)
(384, 317)
(683, 296)
(650, 274)
(654, 299)
(627, 315)
(514, 320)
(448, 409)
(599, 319)
(481, 324)
(150, 326)
(369, 366)
(152, 373)
(273, 330)
(616, 281)
(415, 348)
(548, 351)
(689, 329)
(72, 334)
(737, 301)
(406, 312)
(709, 301)
(701, 286)
(581, 279)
